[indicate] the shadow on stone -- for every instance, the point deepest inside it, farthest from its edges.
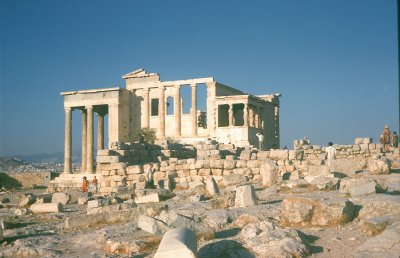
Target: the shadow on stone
(224, 249)
(227, 233)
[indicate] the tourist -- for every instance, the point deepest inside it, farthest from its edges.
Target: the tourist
(94, 184)
(149, 177)
(331, 151)
(395, 140)
(85, 185)
(260, 137)
(385, 139)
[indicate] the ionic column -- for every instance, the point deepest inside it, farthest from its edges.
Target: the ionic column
(194, 109)
(251, 116)
(146, 107)
(68, 142)
(246, 115)
(90, 147)
(84, 140)
(100, 131)
(177, 110)
(161, 112)
(230, 111)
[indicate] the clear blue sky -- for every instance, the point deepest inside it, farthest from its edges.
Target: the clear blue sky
(333, 61)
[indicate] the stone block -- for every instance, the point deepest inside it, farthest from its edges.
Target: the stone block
(357, 186)
(62, 198)
(269, 172)
(233, 179)
(178, 242)
(386, 244)
(379, 166)
(211, 186)
(27, 200)
(46, 208)
(245, 155)
(279, 154)
(314, 170)
(153, 226)
(358, 140)
(175, 220)
(317, 212)
(149, 198)
(108, 159)
(245, 196)
(325, 183)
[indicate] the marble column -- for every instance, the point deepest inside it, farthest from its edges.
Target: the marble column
(246, 115)
(161, 112)
(90, 147)
(178, 110)
(68, 141)
(194, 109)
(100, 130)
(230, 111)
(146, 108)
(84, 140)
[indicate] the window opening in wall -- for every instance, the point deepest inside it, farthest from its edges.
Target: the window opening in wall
(186, 96)
(202, 105)
(170, 105)
(154, 107)
(223, 115)
(238, 114)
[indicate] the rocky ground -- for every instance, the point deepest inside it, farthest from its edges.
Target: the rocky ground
(316, 216)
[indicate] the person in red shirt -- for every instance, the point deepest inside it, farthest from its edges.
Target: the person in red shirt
(85, 185)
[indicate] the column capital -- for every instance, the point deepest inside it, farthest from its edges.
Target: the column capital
(89, 107)
(193, 85)
(66, 109)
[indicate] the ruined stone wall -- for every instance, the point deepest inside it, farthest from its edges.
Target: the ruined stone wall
(218, 160)
(29, 179)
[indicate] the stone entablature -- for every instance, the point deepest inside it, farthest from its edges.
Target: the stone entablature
(230, 116)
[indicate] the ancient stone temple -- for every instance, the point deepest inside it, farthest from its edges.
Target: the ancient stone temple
(230, 115)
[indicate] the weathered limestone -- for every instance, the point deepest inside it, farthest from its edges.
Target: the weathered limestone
(27, 200)
(149, 198)
(386, 244)
(269, 173)
(358, 186)
(84, 140)
(211, 186)
(46, 207)
(316, 212)
(178, 242)
(153, 226)
(62, 198)
(325, 183)
(378, 166)
(268, 240)
(245, 196)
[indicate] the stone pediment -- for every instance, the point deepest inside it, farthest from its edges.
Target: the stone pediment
(139, 73)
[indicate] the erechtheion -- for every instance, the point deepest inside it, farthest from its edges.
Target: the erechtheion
(230, 116)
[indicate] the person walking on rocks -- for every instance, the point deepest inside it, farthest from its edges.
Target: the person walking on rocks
(331, 154)
(150, 177)
(385, 138)
(395, 140)
(85, 185)
(260, 137)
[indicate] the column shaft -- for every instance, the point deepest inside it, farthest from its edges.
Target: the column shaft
(84, 140)
(90, 147)
(100, 131)
(194, 109)
(246, 115)
(68, 142)
(178, 110)
(161, 112)
(230, 115)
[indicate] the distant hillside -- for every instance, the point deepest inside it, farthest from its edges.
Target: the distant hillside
(7, 163)
(57, 157)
